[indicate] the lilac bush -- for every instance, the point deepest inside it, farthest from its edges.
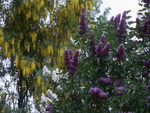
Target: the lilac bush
(113, 74)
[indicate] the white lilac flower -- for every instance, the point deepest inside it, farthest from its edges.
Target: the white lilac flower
(45, 99)
(46, 71)
(59, 87)
(56, 75)
(51, 95)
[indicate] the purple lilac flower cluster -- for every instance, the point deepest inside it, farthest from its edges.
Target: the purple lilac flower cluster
(92, 44)
(71, 61)
(122, 31)
(100, 50)
(98, 93)
(119, 90)
(49, 109)
(102, 39)
(105, 80)
(116, 19)
(120, 24)
(120, 53)
(83, 23)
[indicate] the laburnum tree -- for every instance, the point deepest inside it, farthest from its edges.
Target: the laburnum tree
(33, 32)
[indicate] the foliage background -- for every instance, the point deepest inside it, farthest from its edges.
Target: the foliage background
(30, 42)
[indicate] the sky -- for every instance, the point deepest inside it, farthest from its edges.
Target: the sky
(118, 6)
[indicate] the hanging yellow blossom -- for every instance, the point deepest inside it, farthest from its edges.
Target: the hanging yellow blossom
(1, 37)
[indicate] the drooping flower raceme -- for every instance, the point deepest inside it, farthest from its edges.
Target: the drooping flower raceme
(97, 93)
(83, 23)
(120, 53)
(71, 61)
(119, 90)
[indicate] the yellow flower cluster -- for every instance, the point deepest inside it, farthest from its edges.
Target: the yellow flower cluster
(48, 51)
(40, 88)
(26, 67)
(31, 12)
(33, 41)
(1, 37)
